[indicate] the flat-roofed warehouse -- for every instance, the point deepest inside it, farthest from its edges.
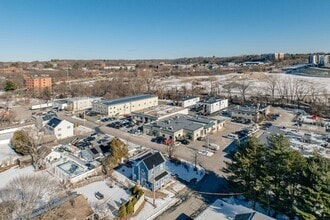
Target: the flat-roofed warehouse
(156, 113)
(184, 126)
(126, 105)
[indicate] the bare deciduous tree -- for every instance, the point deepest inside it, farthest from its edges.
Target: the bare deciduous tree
(271, 85)
(243, 88)
(27, 193)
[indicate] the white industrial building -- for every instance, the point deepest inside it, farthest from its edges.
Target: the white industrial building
(157, 113)
(187, 101)
(212, 105)
(59, 128)
(125, 106)
(78, 104)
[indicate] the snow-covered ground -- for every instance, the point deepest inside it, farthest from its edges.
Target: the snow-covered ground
(151, 212)
(185, 171)
(8, 175)
(112, 196)
(177, 186)
(295, 137)
(6, 152)
(256, 79)
(223, 210)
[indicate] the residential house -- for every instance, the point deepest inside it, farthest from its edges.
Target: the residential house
(42, 120)
(149, 171)
(59, 128)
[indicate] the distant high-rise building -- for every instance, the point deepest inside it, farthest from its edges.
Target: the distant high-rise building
(327, 60)
(279, 56)
(314, 59)
(319, 60)
(38, 83)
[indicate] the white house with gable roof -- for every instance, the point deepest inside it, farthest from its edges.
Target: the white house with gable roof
(59, 128)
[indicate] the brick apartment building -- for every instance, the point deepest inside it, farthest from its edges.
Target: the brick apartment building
(38, 83)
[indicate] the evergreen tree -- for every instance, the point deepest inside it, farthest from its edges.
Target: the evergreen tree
(10, 86)
(284, 168)
(247, 168)
(314, 197)
(122, 211)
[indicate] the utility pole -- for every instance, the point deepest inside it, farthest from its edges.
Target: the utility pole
(195, 159)
(153, 178)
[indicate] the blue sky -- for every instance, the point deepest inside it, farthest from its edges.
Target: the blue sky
(139, 29)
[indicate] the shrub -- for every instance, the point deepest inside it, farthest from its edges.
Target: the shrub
(130, 207)
(135, 189)
(122, 211)
(133, 201)
(139, 193)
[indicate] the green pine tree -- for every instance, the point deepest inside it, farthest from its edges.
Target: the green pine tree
(284, 168)
(247, 167)
(314, 194)
(10, 86)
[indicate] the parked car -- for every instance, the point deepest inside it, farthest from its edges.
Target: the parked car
(99, 195)
(185, 142)
(232, 136)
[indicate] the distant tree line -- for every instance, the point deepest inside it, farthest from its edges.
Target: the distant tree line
(281, 179)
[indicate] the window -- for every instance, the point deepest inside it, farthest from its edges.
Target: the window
(68, 127)
(59, 129)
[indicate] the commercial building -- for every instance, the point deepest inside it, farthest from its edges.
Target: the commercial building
(124, 106)
(157, 113)
(187, 101)
(149, 170)
(183, 126)
(78, 104)
(279, 56)
(59, 128)
(319, 60)
(38, 83)
(226, 211)
(212, 105)
(327, 60)
(253, 113)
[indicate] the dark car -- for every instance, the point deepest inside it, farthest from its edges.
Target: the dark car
(99, 195)
(185, 142)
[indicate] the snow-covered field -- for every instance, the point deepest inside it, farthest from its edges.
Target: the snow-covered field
(256, 79)
(185, 171)
(112, 196)
(226, 210)
(6, 151)
(8, 175)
